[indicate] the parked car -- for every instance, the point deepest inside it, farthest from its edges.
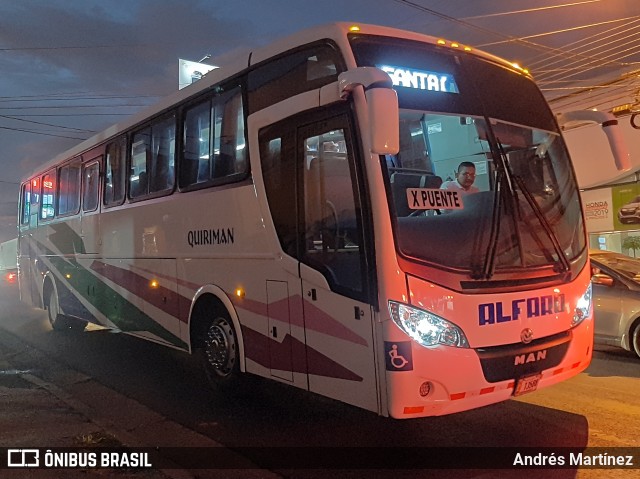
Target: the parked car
(630, 213)
(616, 299)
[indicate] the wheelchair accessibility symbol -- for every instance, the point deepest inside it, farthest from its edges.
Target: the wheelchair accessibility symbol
(398, 356)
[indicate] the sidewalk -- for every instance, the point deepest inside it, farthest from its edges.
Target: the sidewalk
(58, 407)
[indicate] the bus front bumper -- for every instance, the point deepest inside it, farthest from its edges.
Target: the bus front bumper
(446, 380)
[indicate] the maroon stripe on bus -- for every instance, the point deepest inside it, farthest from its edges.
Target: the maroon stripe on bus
(162, 298)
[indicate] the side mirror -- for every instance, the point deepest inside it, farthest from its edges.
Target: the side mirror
(384, 120)
(609, 125)
(603, 279)
(382, 102)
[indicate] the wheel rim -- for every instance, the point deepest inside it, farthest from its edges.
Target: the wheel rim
(220, 348)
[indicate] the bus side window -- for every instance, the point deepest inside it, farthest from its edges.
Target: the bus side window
(162, 166)
(228, 140)
(293, 73)
(140, 160)
(49, 188)
(90, 182)
(69, 188)
(31, 203)
(25, 203)
(115, 172)
(213, 147)
(196, 159)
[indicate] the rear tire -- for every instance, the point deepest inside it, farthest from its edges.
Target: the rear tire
(60, 322)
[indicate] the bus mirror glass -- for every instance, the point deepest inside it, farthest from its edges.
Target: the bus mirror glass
(609, 125)
(384, 121)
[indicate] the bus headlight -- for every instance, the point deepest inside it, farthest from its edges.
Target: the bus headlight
(426, 328)
(583, 308)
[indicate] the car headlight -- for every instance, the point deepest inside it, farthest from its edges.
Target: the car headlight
(583, 307)
(426, 328)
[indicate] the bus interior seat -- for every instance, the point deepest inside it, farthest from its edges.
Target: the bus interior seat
(223, 165)
(139, 187)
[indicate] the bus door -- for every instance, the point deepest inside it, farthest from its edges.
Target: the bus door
(315, 200)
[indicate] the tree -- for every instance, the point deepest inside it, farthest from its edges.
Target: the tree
(632, 242)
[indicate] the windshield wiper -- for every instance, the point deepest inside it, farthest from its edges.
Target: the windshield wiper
(562, 262)
(504, 177)
(490, 253)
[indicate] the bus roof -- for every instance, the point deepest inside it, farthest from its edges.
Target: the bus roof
(337, 32)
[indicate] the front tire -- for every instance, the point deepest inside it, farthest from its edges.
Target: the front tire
(220, 354)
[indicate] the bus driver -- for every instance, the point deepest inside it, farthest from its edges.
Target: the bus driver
(465, 176)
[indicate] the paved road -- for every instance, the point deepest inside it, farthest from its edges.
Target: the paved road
(599, 408)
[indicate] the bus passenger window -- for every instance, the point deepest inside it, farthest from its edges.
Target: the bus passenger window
(115, 172)
(25, 202)
(293, 73)
(140, 159)
(48, 195)
(214, 149)
(228, 139)
(162, 166)
(90, 182)
(196, 160)
(69, 188)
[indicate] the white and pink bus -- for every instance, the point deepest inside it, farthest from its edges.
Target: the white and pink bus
(284, 217)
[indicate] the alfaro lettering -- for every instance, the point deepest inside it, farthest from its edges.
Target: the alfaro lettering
(498, 312)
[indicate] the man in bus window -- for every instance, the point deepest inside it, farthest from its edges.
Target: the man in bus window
(465, 176)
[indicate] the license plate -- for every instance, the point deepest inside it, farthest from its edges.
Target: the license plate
(527, 384)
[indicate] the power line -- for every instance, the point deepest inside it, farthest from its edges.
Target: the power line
(70, 106)
(71, 97)
(77, 47)
(23, 115)
(530, 10)
(46, 124)
(40, 133)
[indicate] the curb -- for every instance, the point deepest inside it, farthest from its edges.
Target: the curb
(129, 421)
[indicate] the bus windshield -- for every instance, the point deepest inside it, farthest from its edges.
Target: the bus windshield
(482, 182)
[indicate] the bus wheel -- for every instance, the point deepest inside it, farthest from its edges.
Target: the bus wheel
(220, 350)
(60, 322)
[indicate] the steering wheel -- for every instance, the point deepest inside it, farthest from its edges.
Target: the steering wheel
(423, 213)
